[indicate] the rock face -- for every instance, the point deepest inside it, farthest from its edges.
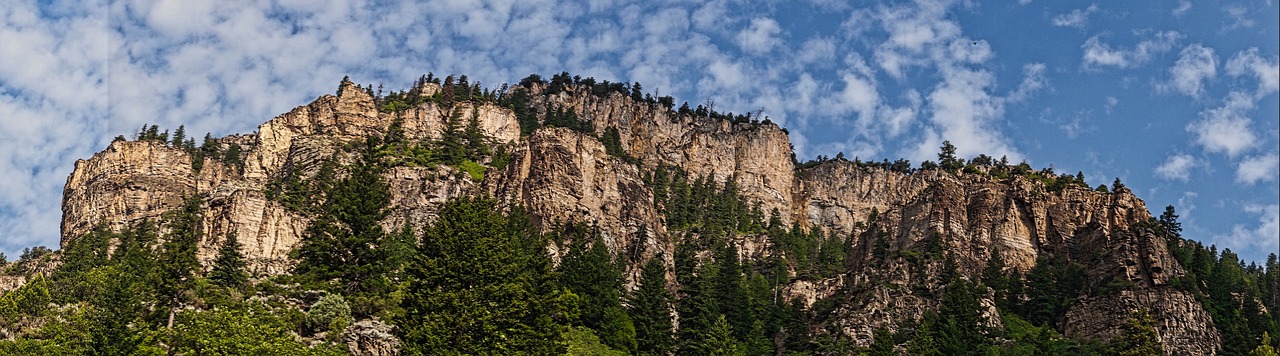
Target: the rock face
(371, 338)
(757, 156)
(564, 176)
(898, 224)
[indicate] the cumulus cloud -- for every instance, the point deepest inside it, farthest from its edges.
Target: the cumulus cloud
(1261, 168)
(1225, 129)
(1078, 18)
(1260, 237)
(760, 37)
(1195, 65)
(1249, 62)
(1177, 167)
(1098, 54)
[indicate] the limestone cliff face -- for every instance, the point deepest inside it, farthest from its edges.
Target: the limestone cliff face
(560, 175)
(758, 156)
(968, 216)
(134, 181)
(564, 176)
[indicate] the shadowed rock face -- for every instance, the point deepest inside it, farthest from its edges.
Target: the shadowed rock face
(560, 175)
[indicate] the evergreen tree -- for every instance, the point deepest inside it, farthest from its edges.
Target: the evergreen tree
(179, 136)
(228, 268)
(923, 343)
(1140, 337)
(1169, 221)
(958, 329)
(476, 147)
(881, 343)
(590, 272)
(482, 283)
(651, 310)
(993, 276)
(947, 157)
(728, 292)
(450, 147)
(718, 340)
(177, 258)
(345, 248)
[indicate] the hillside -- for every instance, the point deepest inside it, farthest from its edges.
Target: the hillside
(566, 215)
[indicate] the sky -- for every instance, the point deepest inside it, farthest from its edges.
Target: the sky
(1178, 99)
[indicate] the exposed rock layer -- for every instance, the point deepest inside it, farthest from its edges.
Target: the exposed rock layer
(561, 175)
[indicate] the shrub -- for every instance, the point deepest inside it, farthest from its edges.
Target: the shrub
(330, 313)
(475, 170)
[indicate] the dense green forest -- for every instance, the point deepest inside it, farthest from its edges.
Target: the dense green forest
(480, 279)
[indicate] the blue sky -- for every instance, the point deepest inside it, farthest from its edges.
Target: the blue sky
(1176, 98)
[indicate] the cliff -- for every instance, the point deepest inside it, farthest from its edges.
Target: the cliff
(891, 219)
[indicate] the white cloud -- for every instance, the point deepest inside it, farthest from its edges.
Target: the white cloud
(1183, 7)
(1098, 54)
(1177, 167)
(1195, 65)
(1111, 103)
(1032, 81)
(1265, 236)
(1266, 71)
(963, 110)
(1240, 15)
(1261, 168)
(760, 37)
(1076, 18)
(819, 51)
(1225, 129)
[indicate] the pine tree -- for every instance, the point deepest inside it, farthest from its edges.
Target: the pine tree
(958, 330)
(228, 268)
(177, 258)
(651, 310)
(590, 272)
(476, 147)
(993, 276)
(482, 283)
(1140, 337)
(345, 247)
(882, 343)
(719, 340)
(179, 136)
(451, 148)
(1169, 221)
(947, 157)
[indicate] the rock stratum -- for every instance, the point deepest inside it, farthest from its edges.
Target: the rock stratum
(564, 175)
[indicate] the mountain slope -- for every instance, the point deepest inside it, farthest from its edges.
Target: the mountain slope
(905, 238)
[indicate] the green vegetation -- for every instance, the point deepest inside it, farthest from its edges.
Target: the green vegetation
(483, 283)
(1234, 293)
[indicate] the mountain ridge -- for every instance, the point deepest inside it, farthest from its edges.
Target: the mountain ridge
(904, 231)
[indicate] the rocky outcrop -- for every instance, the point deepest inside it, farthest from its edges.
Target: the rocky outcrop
(1181, 323)
(758, 156)
(564, 176)
(835, 196)
(967, 216)
(371, 337)
(127, 182)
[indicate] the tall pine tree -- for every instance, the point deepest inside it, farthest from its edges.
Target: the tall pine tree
(228, 268)
(651, 310)
(482, 283)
